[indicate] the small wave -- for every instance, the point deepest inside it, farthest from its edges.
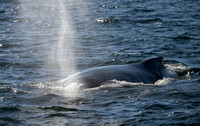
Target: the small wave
(182, 37)
(56, 115)
(5, 19)
(144, 10)
(149, 20)
(58, 108)
(4, 64)
(21, 20)
(9, 121)
(9, 109)
(108, 20)
(10, 89)
(42, 99)
(157, 106)
(6, 118)
(2, 11)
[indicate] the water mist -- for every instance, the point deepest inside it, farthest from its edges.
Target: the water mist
(64, 54)
(51, 29)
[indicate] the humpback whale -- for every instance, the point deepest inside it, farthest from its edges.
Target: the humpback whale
(148, 71)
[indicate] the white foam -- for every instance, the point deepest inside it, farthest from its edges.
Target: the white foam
(175, 67)
(118, 84)
(70, 90)
(113, 84)
(164, 81)
(179, 68)
(62, 87)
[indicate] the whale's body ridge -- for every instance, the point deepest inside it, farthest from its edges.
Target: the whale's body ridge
(148, 71)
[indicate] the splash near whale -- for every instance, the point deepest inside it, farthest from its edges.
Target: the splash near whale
(148, 71)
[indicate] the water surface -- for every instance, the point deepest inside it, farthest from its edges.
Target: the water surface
(43, 42)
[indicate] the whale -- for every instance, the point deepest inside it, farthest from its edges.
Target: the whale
(148, 71)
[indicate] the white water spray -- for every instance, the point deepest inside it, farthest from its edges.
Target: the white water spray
(64, 54)
(48, 24)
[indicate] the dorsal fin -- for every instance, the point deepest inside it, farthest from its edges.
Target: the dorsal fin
(154, 63)
(159, 59)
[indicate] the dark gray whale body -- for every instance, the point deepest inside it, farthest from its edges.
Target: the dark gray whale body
(148, 71)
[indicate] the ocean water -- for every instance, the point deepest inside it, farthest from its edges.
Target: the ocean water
(43, 42)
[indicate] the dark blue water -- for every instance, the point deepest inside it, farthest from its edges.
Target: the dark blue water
(99, 33)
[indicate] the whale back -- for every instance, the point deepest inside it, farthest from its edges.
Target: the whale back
(148, 71)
